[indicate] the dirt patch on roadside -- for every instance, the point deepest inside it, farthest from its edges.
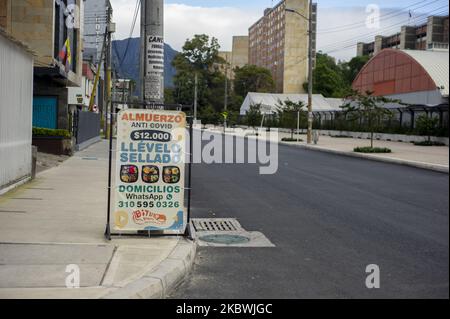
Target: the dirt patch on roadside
(46, 161)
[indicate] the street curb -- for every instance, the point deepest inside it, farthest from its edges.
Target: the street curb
(428, 166)
(422, 165)
(159, 281)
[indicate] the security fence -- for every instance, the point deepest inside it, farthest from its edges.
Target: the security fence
(86, 128)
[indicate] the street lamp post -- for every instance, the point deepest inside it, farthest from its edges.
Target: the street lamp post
(225, 106)
(195, 96)
(310, 67)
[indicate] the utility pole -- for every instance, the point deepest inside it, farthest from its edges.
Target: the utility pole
(310, 74)
(310, 65)
(225, 107)
(123, 93)
(195, 96)
(107, 72)
(152, 52)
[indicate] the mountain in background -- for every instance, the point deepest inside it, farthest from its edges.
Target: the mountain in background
(130, 66)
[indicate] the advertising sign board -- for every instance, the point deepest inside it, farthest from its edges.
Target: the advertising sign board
(150, 171)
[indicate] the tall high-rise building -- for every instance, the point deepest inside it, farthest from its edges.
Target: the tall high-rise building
(237, 57)
(278, 41)
(95, 22)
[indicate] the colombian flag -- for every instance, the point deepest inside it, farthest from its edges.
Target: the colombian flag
(65, 55)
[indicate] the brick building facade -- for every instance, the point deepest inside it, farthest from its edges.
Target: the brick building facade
(279, 42)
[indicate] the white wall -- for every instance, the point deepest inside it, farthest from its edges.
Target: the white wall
(16, 107)
(84, 90)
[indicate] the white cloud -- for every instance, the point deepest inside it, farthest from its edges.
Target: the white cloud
(184, 21)
(351, 22)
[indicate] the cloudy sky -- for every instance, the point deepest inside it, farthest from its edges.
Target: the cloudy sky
(341, 24)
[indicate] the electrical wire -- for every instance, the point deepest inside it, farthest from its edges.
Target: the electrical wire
(352, 40)
(133, 24)
(341, 48)
(383, 18)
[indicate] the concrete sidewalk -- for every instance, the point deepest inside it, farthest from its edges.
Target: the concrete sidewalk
(427, 157)
(59, 219)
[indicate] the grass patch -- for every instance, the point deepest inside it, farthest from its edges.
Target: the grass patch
(288, 139)
(369, 149)
(428, 143)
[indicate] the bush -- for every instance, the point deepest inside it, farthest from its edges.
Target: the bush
(288, 139)
(40, 131)
(428, 143)
(368, 149)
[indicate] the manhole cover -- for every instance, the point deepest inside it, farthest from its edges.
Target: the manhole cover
(225, 239)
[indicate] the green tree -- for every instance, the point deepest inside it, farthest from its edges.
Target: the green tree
(351, 69)
(169, 96)
(333, 79)
(199, 56)
(209, 115)
(288, 113)
(369, 108)
(426, 125)
(253, 115)
(251, 78)
(235, 102)
(327, 77)
(233, 118)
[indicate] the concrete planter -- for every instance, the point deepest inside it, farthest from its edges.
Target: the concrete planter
(53, 145)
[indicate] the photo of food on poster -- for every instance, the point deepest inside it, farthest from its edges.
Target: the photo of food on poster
(150, 171)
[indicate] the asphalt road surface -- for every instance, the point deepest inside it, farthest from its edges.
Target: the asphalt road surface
(329, 216)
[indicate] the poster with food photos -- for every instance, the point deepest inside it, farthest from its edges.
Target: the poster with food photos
(150, 171)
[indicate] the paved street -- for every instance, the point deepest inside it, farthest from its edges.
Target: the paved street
(329, 216)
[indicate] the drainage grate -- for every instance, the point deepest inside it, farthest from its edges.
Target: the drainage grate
(216, 224)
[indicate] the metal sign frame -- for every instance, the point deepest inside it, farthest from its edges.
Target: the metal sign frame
(146, 106)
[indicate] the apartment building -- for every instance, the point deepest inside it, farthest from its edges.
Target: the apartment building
(432, 35)
(53, 31)
(278, 41)
(237, 57)
(96, 15)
